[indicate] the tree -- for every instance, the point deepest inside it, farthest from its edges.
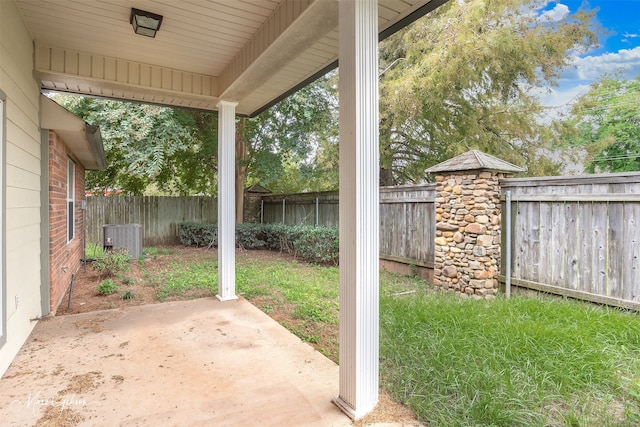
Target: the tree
(606, 123)
(294, 135)
(141, 141)
(460, 79)
(289, 147)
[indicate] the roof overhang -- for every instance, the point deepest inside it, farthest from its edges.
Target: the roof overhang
(84, 140)
(253, 52)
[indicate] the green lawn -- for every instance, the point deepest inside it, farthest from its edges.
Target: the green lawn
(459, 362)
(518, 362)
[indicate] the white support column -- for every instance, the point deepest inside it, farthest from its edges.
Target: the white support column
(226, 201)
(359, 207)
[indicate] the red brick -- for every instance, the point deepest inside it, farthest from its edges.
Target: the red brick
(64, 257)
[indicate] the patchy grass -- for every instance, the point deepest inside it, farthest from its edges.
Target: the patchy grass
(93, 251)
(182, 279)
(455, 362)
(302, 297)
(154, 251)
(523, 361)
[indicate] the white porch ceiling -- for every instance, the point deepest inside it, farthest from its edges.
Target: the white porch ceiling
(249, 51)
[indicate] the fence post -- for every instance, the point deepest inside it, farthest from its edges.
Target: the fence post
(467, 255)
(317, 212)
(283, 206)
(507, 264)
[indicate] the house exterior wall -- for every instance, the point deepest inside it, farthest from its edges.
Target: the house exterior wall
(22, 189)
(64, 255)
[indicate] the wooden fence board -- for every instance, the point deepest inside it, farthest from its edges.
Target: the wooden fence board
(159, 216)
(632, 245)
(585, 243)
(572, 261)
(588, 236)
(546, 238)
(600, 245)
(615, 253)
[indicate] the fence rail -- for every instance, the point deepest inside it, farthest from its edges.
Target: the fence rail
(577, 236)
(407, 218)
(319, 208)
(159, 216)
(573, 236)
(407, 224)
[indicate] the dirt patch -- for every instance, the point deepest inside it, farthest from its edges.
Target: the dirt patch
(141, 282)
(57, 412)
(389, 411)
(55, 417)
(82, 383)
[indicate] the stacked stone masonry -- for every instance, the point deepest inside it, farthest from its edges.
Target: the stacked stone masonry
(467, 255)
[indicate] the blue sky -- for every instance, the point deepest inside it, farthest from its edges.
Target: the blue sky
(619, 49)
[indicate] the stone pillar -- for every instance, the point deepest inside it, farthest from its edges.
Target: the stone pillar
(468, 224)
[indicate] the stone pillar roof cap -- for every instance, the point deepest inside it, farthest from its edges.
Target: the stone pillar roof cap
(475, 160)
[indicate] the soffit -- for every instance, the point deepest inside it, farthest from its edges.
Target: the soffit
(84, 141)
(248, 51)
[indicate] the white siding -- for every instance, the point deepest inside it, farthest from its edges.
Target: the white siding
(22, 186)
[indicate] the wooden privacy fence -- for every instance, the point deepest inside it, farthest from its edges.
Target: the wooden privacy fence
(319, 208)
(573, 236)
(407, 218)
(159, 216)
(576, 236)
(407, 224)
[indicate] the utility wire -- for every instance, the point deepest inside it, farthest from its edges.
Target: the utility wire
(627, 156)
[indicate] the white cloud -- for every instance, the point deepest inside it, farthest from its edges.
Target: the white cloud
(559, 12)
(631, 35)
(592, 67)
(557, 100)
(576, 80)
(558, 97)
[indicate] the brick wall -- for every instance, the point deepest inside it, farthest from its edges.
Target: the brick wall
(64, 256)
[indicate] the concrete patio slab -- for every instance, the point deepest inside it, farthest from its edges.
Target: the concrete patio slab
(189, 363)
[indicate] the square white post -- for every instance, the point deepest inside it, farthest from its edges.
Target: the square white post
(359, 207)
(226, 201)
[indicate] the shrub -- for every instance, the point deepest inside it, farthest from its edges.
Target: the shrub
(107, 287)
(112, 263)
(250, 236)
(197, 234)
(316, 244)
(127, 295)
(320, 244)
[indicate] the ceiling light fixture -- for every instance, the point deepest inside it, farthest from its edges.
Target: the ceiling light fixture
(145, 23)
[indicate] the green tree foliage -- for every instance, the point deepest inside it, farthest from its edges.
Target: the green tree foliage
(195, 170)
(460, 79)
(292, 147)
(606, 123)
(141, 141)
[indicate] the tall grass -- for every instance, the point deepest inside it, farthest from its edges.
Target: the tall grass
(517, 362)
